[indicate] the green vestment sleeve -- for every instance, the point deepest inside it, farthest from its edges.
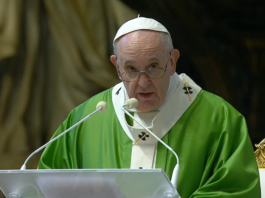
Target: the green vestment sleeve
(211, 139)
(215, 151)
(99, 142)
(230, 170)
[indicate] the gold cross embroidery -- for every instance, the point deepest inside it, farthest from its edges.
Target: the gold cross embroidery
(187, 89)
(141, 137)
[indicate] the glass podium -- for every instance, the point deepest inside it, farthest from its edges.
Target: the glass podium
(92, 183)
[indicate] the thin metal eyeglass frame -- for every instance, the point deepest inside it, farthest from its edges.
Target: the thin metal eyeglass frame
(145, 71)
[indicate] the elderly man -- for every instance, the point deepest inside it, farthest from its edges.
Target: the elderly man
(209, 135)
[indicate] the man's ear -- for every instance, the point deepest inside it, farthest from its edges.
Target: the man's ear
(173, 60)
(113, 59)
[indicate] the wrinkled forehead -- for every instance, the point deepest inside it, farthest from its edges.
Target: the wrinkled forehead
(140, 38)
(140, 43)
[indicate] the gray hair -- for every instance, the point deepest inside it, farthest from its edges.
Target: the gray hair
(166, 39)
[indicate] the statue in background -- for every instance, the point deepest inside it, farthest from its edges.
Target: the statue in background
(54, 55)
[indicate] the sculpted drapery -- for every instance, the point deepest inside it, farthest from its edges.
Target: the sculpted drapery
(54, 55)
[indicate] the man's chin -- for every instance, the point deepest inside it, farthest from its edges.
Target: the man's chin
(149, 104)
(146, 108)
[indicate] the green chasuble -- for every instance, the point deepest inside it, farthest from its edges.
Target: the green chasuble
(210, 138)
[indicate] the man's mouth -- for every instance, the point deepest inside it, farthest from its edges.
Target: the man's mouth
(146, 95)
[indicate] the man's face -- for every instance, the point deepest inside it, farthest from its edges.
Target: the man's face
(139, 51)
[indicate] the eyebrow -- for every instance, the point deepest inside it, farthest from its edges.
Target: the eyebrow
(132, 62)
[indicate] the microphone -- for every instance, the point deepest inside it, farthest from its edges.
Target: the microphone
(101, 107)
(132, 103)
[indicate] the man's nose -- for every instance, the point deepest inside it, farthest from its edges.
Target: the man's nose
(144, 80)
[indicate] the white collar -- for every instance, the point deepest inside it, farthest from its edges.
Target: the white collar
(176, 103)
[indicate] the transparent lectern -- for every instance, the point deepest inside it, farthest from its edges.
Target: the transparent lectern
(92, 183)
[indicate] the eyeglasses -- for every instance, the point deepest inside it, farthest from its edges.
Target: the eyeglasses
(151, 72)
